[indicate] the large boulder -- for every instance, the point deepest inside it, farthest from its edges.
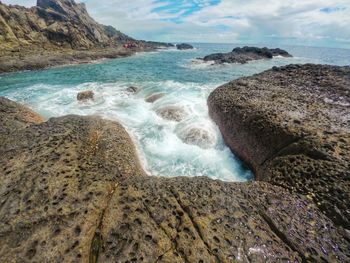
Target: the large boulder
(291, 125)
(246, 54)
(72, 190)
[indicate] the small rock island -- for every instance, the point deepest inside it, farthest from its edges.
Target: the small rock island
(246, 54)
(184, 46)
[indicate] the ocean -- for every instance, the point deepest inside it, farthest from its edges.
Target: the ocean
(191, 147)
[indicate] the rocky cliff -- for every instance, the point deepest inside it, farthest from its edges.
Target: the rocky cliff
(292, 126)
(72, 190)
(54, 23)
(57, 32)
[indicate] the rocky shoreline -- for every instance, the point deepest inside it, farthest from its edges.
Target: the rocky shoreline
(72, 188)
(59, 32)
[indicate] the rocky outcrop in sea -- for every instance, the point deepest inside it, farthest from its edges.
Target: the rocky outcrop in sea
(184, 46)
(72, 188)
(246, 54)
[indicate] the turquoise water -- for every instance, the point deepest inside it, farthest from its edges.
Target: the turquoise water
(165, 147)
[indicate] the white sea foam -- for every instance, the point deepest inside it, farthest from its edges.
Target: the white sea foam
(162, 145)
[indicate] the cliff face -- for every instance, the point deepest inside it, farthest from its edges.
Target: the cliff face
(54, 23)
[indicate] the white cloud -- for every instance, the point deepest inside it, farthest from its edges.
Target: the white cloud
(228, 21)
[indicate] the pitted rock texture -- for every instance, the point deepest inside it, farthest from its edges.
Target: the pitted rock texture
(246, 54)
(72, 190)
(292, 126)
(14, 116)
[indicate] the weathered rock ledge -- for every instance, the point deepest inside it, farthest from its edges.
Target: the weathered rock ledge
(246, 54)
(292, 126)
(72, 190)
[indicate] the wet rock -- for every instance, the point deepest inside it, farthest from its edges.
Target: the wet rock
(197, 136)
(172, 113)
(132, 89)
(281, 123)
(85, 95)
(246, 54)
(156, 96)
(184, 46)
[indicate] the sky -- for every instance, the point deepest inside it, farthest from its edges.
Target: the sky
(293, 22)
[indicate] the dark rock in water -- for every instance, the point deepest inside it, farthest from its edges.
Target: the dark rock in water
(85, 95)
(72, 190)
(156, 96)
(197, 136)
(132, 89)
(184, 46)
(246, 54)
(172, 113)
(291, 125)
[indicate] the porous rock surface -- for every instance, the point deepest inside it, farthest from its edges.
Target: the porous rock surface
(292, 126)
(72, 190)
(246, 54)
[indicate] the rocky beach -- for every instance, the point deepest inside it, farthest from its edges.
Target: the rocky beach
(160, 157)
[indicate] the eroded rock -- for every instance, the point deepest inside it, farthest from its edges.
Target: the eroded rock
(72, 190)
(281, 123)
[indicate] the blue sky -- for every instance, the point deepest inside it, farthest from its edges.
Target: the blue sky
(302, 22)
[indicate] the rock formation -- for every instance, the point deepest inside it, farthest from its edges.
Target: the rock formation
(85, 95)
(172, 113)
(246, 54)
(57, 32)
(154, 97)
(292, 126)
(184, 46)
(72, 190)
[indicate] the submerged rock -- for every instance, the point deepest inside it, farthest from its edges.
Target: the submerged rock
(197, 136)
(184, 46)
(85, 95)
(156, 96)
(281, 123)
(246, 54)
(72, 190)
(133, 89)
(172, 113)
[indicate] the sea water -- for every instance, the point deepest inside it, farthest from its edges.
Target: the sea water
(186, 83)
